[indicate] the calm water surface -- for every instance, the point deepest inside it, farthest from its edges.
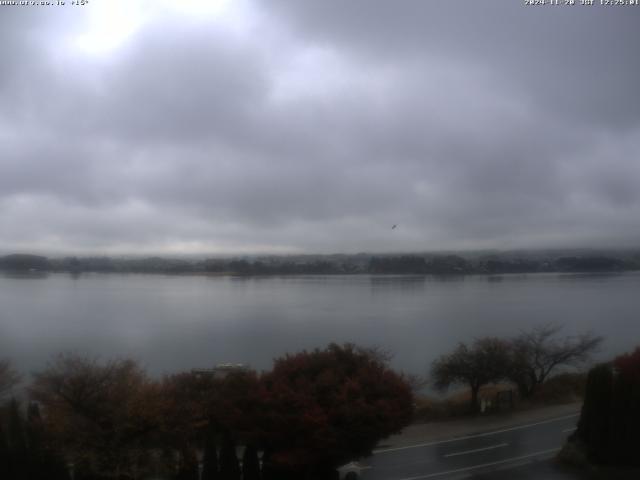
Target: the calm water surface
(179, 322)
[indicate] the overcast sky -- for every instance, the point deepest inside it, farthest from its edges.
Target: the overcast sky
(295, 126)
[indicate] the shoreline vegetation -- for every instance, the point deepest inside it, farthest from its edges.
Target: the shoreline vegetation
(564, 388)
(575, 261)
(311, 413)
(97, 420)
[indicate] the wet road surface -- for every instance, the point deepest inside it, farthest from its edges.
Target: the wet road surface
(484, 455)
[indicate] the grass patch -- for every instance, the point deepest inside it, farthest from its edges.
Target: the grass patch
(560, 389)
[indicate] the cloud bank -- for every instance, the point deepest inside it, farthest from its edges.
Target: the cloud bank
(232, 127)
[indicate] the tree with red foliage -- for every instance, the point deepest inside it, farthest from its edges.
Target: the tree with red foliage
(327, 407)
(628, 366)
(187, 408)
(198, 407)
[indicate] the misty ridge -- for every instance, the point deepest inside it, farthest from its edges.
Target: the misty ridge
(561, 261)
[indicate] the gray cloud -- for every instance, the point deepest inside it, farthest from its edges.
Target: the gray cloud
(320, 124)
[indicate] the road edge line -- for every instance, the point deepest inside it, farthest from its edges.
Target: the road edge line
(483, 465)
(477, 435)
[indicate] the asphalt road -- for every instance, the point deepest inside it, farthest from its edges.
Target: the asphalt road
(482, 455)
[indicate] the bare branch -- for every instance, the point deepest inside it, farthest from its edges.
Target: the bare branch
(484, 362)
(9, 378)
(536, 353)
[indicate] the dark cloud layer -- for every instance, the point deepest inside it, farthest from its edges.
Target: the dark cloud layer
(314, 126)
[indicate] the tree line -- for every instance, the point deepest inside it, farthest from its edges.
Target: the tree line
(313, 411)
(88, 419)
(330, 264)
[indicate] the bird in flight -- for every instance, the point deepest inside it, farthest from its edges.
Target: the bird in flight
(394, 227)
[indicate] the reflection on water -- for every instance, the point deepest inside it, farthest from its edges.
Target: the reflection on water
(179, 322)
(397, 281)
(21, 275)
(595, 275)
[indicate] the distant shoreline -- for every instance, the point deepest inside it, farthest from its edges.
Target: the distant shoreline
(302, 274)
(361, 264)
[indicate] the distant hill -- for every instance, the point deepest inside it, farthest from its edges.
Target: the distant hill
(491, 263)
(24, 262)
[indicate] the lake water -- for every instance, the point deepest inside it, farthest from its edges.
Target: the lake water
(171, 323)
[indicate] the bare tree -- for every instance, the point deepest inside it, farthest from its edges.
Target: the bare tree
(98, 412)
(378, 353)
(536, 353)
(483, 363)
(9, 378)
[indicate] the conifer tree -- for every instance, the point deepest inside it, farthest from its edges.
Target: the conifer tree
(5, 471)
(18, 453)
(595, 420)
(210, 460)
(250, 464)
(229, 466)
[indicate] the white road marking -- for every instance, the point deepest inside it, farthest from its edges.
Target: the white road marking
(404, 464)
(457, 454)
(569, 429)
(353, 467)
(478, 435)
(483, 465)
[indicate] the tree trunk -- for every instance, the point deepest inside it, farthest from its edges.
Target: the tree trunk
(474, 406)
(523, 391)
(250, 464)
